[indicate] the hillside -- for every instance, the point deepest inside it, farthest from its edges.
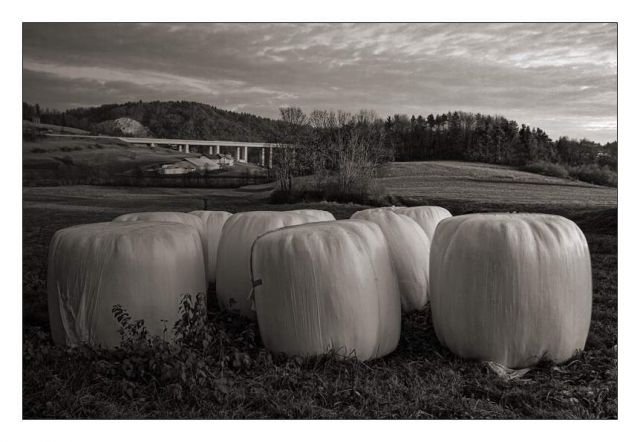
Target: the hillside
(487, 186)
(171, 119)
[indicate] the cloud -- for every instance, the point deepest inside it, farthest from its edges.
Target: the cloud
(563, 75)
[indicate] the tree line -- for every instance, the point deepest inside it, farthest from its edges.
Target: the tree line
(491, 139)
(449, 136)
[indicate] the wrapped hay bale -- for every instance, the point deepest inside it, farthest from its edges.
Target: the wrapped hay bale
(144, 266)
(427, 217)
(409, 251)
(326, 286)
(233, 276)
(511, 288)
(171, 217)
(315, 215)
(213, 222)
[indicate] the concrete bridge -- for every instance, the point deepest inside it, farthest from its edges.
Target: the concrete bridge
(239, 149)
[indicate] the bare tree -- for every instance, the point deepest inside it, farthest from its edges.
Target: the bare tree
(342, 151)
(287, 158)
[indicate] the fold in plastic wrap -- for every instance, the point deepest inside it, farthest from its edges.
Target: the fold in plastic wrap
(409, 251)
(144, 266)
(233, 275)
(213, 222)
(315, 215)
(511, 288)
(327, 286)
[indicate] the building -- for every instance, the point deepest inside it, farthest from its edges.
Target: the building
(203, 163)
(224, 159)
(199, 164)
(179, 168)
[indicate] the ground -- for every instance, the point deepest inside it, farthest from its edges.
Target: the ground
(421, 379)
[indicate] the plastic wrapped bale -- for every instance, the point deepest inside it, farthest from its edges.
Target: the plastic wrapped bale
(213, 222)
(315, 215)
(409, 250)
(172, 217)
(511, 288)
(233, 276)
(326, 286)
(427, 217)
(145, 267)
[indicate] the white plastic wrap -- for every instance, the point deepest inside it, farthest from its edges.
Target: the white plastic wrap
(315, 215)
(409, 251)
(427, 217)
(144, 266)
(213, 222)
(171, 217)
(327, 286)
(233, 276)
(511, 288)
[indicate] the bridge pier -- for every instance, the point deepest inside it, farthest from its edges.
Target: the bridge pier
(207, 146)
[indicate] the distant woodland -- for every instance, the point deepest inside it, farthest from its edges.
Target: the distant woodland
(451, 136)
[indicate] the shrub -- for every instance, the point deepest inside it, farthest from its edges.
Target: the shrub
(547, 168)
(198, 364)
(594, 174)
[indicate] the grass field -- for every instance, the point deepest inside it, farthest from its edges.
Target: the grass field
(421, 379)
(488, 184)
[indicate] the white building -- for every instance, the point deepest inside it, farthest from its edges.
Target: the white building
(204, 163)
(179, 168)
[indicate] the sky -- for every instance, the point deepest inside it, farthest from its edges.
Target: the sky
(559, 77)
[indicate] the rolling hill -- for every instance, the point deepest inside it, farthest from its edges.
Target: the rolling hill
(169, 119)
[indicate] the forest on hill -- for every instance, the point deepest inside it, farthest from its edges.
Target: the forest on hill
(167, 119)
(497, 140)
(451, 136)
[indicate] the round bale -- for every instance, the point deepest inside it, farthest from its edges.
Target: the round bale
(213, 222)
(143, 266)
(326, 286)
(409, 251)
(511, 288)
(315, 215)
(427, 217)
(233, 276)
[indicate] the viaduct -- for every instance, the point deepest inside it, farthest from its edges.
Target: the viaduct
(239, 149)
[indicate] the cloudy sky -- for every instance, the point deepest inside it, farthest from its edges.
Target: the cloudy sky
(560, 77)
